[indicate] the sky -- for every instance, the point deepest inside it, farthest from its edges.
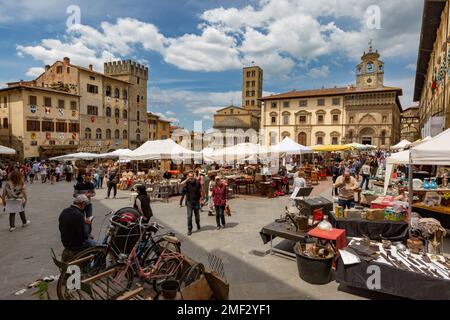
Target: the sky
(195, 49)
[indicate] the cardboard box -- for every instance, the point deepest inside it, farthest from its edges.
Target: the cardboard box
(375, 214)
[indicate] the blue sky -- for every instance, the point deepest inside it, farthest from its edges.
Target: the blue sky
(195, 49)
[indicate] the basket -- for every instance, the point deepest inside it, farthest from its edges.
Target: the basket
(125, 230)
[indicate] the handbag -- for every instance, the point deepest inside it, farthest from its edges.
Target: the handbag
(228, 210)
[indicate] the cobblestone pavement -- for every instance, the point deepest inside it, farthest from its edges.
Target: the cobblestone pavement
(25, 253)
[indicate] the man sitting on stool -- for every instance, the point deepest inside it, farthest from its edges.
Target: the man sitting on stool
(72, 221)
(347, 185)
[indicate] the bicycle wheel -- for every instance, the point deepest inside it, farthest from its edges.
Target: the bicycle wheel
(101, 259)
(168, 269)
(192, 274)
(152, 254)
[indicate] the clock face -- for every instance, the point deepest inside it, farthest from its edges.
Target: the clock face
(369, 67)
(369, 80)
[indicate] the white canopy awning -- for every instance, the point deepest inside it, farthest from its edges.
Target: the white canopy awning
(76, 156)
(161, 150)
(115, 154)
(6, 150)
(435, 151)
(401, 145)
(401, 157)
(239, 152)
(290, 147)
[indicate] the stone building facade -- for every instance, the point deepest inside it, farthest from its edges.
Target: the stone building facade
(432, 83)
(240, 124)
(367, 113)
(410, 124)
(158, 129)
(110, 103)
(39, 122)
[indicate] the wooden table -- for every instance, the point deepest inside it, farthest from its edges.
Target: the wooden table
(280, 229)
(440, 213)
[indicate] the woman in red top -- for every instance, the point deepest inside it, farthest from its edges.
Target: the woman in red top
(219, 195)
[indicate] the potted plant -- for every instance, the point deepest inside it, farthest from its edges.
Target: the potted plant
(445, 199)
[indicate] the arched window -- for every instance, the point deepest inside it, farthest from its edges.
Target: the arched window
(125, 114)
(87, 134)
(350, 136)
(286, 118)
(320, 137)
(108, 111)
(285, 134)
(138, 98)
(116, 93)
(124, 94)
(117, 134)
(116, 113)
(125, 134)
(108, 133)
(138, 135)
(108, 91)
(98, 134)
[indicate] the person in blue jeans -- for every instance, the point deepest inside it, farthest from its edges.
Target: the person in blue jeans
(365, 174)
(194, 200)
(346, 185)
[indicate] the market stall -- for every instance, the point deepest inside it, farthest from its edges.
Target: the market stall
(6, 150)
(401, 145)
(404, 274)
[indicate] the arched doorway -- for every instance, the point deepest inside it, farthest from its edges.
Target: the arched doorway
(302, 138)
(367, 135)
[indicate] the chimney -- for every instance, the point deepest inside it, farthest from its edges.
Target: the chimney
(91, 67)
(47, 67)
(66, 61)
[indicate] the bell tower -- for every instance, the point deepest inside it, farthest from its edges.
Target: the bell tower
(370, 71)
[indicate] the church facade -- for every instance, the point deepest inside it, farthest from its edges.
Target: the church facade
(367, 112)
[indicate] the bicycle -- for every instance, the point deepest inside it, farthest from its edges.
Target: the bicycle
(99, 258)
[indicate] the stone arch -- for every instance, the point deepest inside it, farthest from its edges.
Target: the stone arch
(367, 119)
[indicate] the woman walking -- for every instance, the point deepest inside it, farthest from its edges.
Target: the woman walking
(15, 199)
(219, 195)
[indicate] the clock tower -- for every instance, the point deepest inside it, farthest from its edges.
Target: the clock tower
(370, 71)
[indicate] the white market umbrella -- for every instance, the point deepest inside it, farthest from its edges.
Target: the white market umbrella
(161, 150)
(115, 154)
(76, 156)
(6, 150)
(240, 152)
(401, 145)
(290, 147)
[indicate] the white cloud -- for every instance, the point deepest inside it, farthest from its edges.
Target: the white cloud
(34, 72)
(213, 50)
(321, 72)
(279, 35)
(170, 113)
(411, 66)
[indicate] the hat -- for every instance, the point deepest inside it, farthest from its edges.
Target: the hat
(218, 177)
(81, 199)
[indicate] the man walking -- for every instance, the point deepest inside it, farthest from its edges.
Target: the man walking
(194, 199)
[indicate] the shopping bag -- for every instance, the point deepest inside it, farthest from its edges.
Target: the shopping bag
(228, 210)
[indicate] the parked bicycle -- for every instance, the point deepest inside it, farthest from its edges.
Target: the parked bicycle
(125, 233)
